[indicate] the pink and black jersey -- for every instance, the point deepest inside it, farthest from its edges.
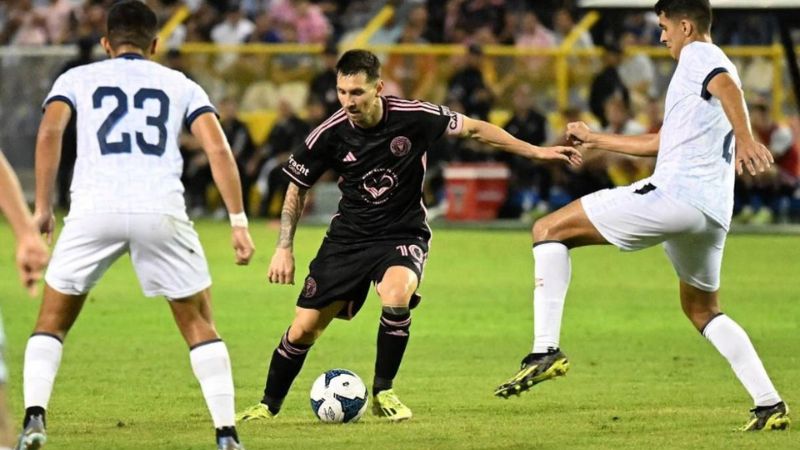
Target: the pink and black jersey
(381, 168)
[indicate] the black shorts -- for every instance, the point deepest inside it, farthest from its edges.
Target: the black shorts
(345, 271)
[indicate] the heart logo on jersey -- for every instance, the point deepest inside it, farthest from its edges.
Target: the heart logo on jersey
(378, 184)
(400, 146)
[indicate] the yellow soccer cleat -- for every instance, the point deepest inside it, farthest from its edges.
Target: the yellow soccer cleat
(255, 412)
(765, 418)
(387, 406)
(535, 368)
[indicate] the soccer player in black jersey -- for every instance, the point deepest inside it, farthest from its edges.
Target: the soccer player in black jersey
(378, 145)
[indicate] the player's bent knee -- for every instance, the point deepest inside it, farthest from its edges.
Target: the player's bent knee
(395, 296)
(544, 230)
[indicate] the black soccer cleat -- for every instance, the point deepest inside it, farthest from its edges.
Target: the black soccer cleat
(535, 368)
(765, 418)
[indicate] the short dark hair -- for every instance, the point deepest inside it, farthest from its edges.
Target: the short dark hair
(353, 62)
(131, 22)
(699, 11)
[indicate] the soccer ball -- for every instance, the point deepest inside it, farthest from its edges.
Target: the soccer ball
(338, 396)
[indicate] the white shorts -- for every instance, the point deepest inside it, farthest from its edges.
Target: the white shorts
(635, 217)
(165, 252)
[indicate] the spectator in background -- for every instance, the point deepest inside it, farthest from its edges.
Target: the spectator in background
(241, 144)
(654, 111)
(305, 18)
(468, 88)
(323, 86)
(477, 14)
(201, 22)
(69, 141)
(175, 61)
(287, 135)
(637, 72)
(607, 84)
(91, 20)
(58, 19)
(413, 76)
(534, 35)
(266, 30)
(288, 67)
(563, 23)
(234, 29)
(508, 33)
(530, 183)
(766, 196)
(24, 26)
(623, 169)
(591, 176)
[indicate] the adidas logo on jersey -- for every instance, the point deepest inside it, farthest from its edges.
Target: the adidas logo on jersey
(350, 157)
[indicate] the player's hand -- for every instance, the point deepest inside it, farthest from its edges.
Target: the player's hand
(578, 133)
(242, 245)
(281, 268)
(567, 154)
(32, 257)
(753, 156)
(46, 223)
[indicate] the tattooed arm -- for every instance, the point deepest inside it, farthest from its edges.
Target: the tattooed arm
(281, 268)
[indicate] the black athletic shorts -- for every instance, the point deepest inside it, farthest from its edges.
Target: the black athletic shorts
(346, 271)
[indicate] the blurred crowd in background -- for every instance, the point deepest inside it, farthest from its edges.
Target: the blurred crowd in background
(619, 91)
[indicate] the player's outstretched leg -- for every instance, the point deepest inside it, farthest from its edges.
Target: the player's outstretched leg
(766, 418)
(288, 359)
(57, 314)
(535, 368)
(211, 364)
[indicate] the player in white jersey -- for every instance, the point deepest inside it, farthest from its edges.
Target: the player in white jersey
(686, 205)
(127, 198)
(31, 259)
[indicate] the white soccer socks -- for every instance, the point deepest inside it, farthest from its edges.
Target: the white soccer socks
(42, 359)
(732, 342)
(552, 271)
(212, 367)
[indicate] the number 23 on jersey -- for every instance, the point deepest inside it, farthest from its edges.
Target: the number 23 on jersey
(119, 113)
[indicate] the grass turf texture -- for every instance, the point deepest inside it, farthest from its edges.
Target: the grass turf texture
(641, 376)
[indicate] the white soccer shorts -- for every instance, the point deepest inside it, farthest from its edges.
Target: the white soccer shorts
(165, 252)
(636, 217)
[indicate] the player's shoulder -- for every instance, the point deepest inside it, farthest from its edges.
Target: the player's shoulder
(84, 71)
(702, 52)
(402, 105)
(325, 129)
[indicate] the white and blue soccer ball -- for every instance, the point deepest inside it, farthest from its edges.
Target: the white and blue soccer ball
(339, 396)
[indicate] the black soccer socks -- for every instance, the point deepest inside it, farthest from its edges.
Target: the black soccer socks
(393, 335)
(287, 360)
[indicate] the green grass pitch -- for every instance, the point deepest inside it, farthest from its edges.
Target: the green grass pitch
(641, 377)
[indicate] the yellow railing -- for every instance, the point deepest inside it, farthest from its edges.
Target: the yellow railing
(560, 54)
(180, 15)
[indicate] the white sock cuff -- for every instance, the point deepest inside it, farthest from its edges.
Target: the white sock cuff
(712, 324)
(210, 359)
(547, 247)
(45, 340)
